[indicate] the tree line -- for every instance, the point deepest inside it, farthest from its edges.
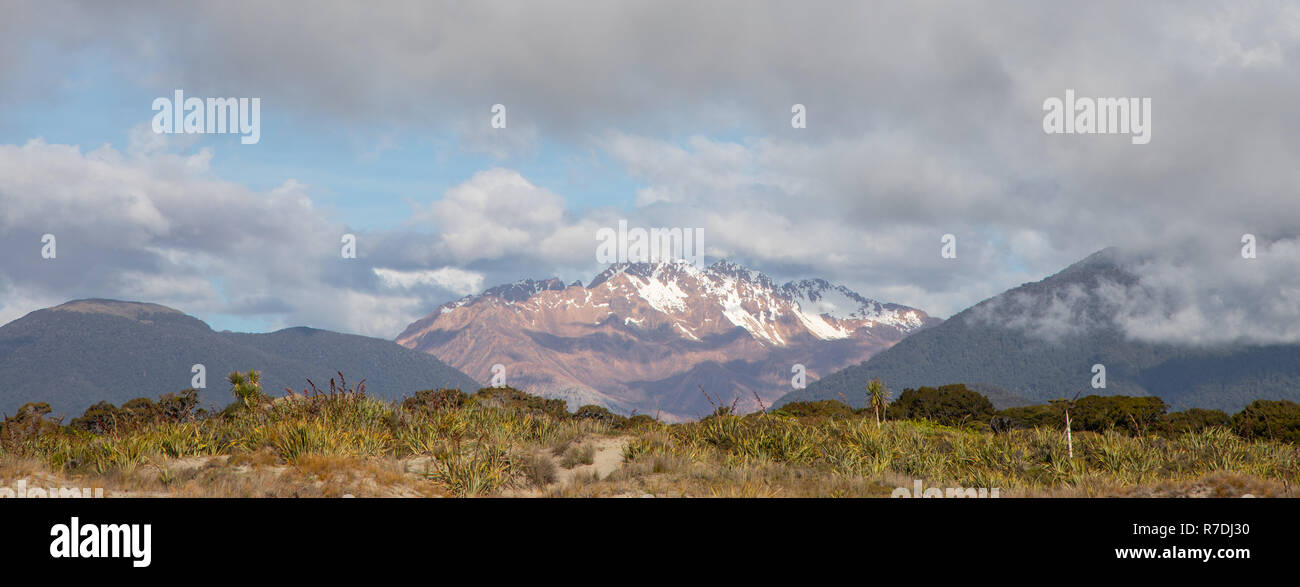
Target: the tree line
(955, 405)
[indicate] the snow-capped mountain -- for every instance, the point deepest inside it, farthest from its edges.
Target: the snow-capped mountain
(646, 337)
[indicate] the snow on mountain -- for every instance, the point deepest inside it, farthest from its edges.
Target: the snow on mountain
(645, 336)
(750, 300)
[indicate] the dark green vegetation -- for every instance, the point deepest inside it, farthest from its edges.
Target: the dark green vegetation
(948, 404)
(1269, 419)
(956, 405)
(84, 352)
(104, 417)
(1039, 341)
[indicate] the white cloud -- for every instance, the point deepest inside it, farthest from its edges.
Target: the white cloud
(159, 227)
(451, 279)
(493, 214)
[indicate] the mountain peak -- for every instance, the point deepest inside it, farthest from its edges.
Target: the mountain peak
(646, 336)
(644, 270)
(1045, 339)
(1107, 258)
(729, 267)
(138, 311)
(746, 298)
(524, 288)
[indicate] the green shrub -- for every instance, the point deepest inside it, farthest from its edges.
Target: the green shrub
(101, 418)
(32, 410)
(597, 413)
(141, 409)
(105, 418)
(1193, 420)
(247, 388)
(1023, 417)
(27, 424)
(430, 401)
(1274, 420)
(827, 408)
(951, 405)
(178, 407)
(513, 399)
(1095, 413)
(1134, 415)
(636, 421)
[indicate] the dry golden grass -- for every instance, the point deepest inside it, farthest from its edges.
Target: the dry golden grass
(492, 444)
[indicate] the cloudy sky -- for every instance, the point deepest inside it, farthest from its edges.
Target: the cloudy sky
(923, 119)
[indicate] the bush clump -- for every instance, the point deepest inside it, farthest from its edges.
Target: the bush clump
(634, 422)
(513, 399)
(539, 469)
(1027, 417)
(430, 401)
(1134, 415)
(827, 408)
(583, 454)
(28, 423)
(1193, 420)
(1269, 419)
(599, 414)
(951, 405)
(105, 418)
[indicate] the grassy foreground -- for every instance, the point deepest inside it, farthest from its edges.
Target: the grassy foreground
(505, 443)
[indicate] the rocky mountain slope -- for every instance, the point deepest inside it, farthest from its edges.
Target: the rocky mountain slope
(646, 337)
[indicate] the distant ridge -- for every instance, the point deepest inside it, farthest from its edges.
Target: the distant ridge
(85, 351)
(1040, 340)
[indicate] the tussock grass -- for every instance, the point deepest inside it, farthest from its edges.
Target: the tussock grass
(575, 455)
(345, 442)
(765, 454)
